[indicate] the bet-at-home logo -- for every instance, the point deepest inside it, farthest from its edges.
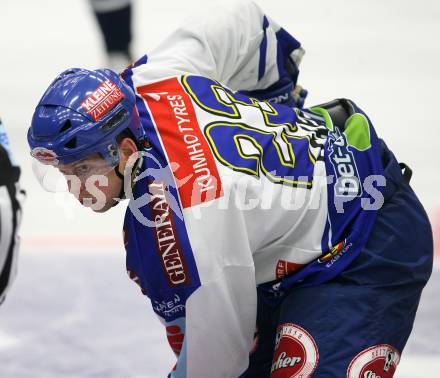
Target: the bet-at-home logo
(348, 183)
(357, 136)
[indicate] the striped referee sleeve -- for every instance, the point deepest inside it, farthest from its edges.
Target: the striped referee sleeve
(11, 197)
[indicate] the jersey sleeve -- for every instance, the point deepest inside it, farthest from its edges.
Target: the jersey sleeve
(201, 287)
(220, 325)
(234, 43)
(221, 313)
(11, 198)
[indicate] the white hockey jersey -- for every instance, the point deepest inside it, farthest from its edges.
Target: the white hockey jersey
(233, 192)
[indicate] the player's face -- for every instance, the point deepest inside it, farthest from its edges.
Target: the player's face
(93, 183)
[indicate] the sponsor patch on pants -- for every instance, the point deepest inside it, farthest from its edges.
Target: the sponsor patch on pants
(378, 361)
(296, 354)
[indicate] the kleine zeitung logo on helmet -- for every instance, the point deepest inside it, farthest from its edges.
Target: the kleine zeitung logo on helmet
(102, 99)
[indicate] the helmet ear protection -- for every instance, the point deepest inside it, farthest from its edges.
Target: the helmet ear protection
(82, 113)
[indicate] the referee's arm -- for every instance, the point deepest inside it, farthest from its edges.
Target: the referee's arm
(10, 216)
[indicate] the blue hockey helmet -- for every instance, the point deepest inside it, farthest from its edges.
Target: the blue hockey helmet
(81, 114)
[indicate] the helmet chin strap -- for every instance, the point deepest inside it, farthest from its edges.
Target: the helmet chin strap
(119, 174)
(136, 166)
(121, 194)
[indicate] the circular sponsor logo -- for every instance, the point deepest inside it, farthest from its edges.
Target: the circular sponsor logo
(379, 361)
(44, 155)
(296, 354)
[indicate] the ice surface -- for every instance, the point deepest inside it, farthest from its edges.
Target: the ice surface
(76, 315)
(73, 312)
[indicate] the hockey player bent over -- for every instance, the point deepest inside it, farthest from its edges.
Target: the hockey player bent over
(271, 240)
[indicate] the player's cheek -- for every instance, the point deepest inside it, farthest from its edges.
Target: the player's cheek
(97, 187)
(74, 186)
(106, 190)
(114, 186)
(69, 186)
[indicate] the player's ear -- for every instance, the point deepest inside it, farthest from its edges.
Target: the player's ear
(127, 147)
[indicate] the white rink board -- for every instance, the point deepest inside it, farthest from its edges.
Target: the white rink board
(73, 312)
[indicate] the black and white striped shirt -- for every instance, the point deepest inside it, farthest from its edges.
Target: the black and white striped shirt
(10, 215)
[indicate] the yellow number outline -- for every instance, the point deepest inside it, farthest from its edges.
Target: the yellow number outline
(236, 113)
(259, 158)
(266, 109)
